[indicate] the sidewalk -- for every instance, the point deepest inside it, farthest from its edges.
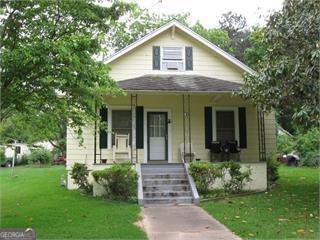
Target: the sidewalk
(182, 222)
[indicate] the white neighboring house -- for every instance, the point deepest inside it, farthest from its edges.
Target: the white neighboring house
(25, 149)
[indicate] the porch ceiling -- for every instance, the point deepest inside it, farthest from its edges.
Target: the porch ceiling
(178, 82)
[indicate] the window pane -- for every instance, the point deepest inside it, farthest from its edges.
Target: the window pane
(172, 53)
(121, 123)
(225, 126)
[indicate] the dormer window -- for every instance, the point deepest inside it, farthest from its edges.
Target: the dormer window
(172, 58)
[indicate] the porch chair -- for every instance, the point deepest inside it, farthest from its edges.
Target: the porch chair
(121, 150)
(215, 151)
(234, 150)
(187, 154)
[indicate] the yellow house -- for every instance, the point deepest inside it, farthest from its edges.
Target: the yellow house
(179, 106)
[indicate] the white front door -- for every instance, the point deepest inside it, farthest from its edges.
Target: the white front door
(157, 136)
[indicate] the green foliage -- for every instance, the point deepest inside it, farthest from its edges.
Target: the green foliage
(41, 156)
(47, 50)
(236, 27)
(306, 144)
(2, 154)
(79, 174)
(288, 76)
(233, 178)
(258, 47)
(204, 174)
(120, 181)
(215, 35)
(25, 159)
(285, 144)
(272, 168)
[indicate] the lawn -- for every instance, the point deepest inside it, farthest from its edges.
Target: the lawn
(35, 199)
(289, 211)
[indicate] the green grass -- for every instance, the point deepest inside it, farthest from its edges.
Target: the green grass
(289, 211)
(35, 199)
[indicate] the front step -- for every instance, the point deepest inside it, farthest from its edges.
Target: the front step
(165, 184)
(169, 200)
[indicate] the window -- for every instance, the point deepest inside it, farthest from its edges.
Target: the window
(225, 126)
(172, 58)
(121, 123)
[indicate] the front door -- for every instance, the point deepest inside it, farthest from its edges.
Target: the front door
(157, 136)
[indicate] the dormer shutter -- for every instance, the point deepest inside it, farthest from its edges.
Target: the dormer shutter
(189, 58)
(156, 57)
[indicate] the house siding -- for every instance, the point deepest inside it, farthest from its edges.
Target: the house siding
(138, 62)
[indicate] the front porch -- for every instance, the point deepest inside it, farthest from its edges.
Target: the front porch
(159, 127)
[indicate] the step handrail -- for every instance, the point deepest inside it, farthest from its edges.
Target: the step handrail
(193, 187)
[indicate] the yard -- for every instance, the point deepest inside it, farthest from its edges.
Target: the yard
(289, 211)
(35, 199)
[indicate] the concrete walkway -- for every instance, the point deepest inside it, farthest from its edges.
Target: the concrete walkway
(182, 222)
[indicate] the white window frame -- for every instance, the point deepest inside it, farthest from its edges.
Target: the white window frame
(183, 59)
(110, 109)
(214, 121)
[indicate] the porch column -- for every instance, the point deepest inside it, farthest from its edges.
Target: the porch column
(134, 155)
(261, 134)
(186, 116)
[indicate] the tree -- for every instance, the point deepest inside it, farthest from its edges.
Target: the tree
(215, 35)
(138, 23)
(48, 53)
(258, 47)
(288, 75)
(235, 25)
(35, 128)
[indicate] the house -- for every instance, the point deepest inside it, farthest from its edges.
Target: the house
(179, 90)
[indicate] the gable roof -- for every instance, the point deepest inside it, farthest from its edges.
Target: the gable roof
(178, 83)
(188, 31)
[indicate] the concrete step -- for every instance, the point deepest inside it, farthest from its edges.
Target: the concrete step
(169, 200)
(158, 194)
(160, 181)
(163, 171)
(171, 165)
(177, 187)
(164, 176)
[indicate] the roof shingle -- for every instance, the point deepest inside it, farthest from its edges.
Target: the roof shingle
(177, 82)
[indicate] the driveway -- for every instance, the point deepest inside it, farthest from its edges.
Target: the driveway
(182, 222)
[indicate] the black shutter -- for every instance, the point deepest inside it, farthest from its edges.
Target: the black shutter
(156, 57)
(139, 127)
(103, 132)
(189, 58)
(208, 126)
(242, 128)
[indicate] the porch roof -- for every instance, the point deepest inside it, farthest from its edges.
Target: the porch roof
(178, 82)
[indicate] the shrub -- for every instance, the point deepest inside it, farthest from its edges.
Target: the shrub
(2, 154)
(310, 160)
(80, 173)
(232, 178)
(120, 181)
(272, 168)
(204, 174)
(25, 159)
(285, 144)
(42, 156)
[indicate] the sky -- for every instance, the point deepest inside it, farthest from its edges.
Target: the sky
(208, 12)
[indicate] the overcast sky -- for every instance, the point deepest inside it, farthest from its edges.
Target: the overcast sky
(208, 12)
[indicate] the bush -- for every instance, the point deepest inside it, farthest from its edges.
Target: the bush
(310, 160)
(272, 169)
(2, 154)
(236, 179)
(204, 174)
(25, 159)
(306, 144)
(120, 181)
(42, 156)
(80, 173)
(285, 144)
